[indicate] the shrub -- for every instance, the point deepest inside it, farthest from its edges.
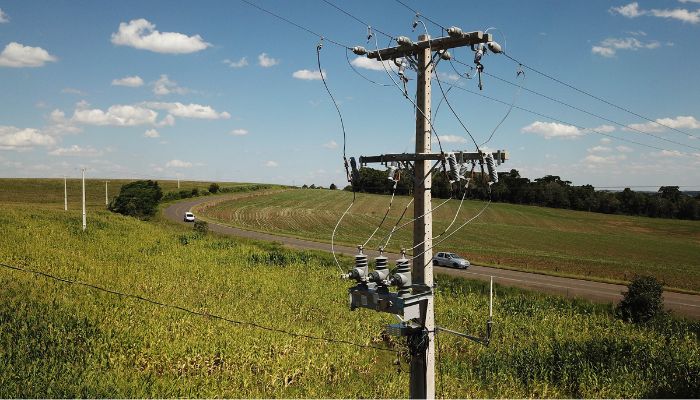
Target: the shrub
(642, 301)
(137, 199)
(201, 226)
(214, 187)
(333, 186)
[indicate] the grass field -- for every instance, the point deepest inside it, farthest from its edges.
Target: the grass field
(564, 242)
(66, 340)
(49, 193)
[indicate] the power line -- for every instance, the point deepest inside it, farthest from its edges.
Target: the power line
(597, 97)
(186, 310)
(370, 29)
(421, 15)
(307, 30)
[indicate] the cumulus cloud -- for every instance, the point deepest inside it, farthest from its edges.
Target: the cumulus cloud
(550, 130)
(189, 110)
(128, 81)
(12, 138)
(164, 86)
(305, 74)
(236, 64)
(453, 139)
(605, 140)
(624, 149)
(679, 122)
(605, 128)
(169, 120)
(16, 55)
(239, 132)
(668, 154)
(3, 17)
(371, 64)
(69, 90)
(330, 145)
(141, 34)
(117, 115)
(599, 149)
(178, 164)
(632, 10)
(76, 151)
(265, 61)
(151, 133)
(596, 159)
(271, 164)
(610, 46)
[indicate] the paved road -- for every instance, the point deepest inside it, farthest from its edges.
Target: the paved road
(685, 304)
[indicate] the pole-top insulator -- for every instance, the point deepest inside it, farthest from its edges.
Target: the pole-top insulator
(494, 47)
(404, 41)
(360, 248)
(445, 55)
(359, 50)
(455, 32)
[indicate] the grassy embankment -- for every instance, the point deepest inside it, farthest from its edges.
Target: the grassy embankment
(62, 340)
(563, 242)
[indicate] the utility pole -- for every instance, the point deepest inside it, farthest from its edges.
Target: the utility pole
(414, 299)
(84, 217)
(106, 196)
(65, 193)
(178, 183)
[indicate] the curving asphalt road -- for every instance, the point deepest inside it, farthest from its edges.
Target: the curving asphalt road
(680, 303)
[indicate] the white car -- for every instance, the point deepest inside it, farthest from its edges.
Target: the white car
(189, 217)
(450, 260)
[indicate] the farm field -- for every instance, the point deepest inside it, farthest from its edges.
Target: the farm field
(68, 340)
(562, 242)
(48, 193)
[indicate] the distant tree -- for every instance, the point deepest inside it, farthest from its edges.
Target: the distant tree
(214, 187)
(195, 192)
(137, 199)
(671, 193)
(305, 186)
(312, 186)
(642, 301)
(333, 187)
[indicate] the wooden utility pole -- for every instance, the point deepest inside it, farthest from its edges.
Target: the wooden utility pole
(84, 215)
(106, 196)
(65, 193)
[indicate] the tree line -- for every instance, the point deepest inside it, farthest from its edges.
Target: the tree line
(548, 191)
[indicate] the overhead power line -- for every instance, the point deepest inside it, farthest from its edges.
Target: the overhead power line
(186, 310)
(421, 15)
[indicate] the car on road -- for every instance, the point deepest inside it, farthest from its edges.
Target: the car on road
(189, 217)
(450, 260)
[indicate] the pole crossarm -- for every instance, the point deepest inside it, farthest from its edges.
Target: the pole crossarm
(500, 156)
(441, 43)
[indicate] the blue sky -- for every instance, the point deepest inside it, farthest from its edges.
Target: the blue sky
(219, 90)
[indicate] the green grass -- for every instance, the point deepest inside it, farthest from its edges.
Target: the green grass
(62, 340)
(563, 242)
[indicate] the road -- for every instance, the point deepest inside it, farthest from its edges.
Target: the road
(680, 303)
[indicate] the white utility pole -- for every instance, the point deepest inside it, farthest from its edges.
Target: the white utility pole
(178, 183)
(106, 196)
(84, 217)
(65, 193)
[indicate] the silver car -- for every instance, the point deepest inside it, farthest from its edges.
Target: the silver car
(450, 260)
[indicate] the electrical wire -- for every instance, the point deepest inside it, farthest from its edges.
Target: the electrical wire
(570, 86)
(186, 310)
(281, 18)
(357, 19)
(559, 120)
(347, 57)
(393, 192)
(418, 13)
(510, 108)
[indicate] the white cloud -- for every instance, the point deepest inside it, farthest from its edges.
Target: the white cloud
(16, 55)
(668, 154)
(151, 133)
(169, 120)
(610, 46)
(448, 76)
(12, 138)
(69, 90)
(178, 164)
(624, 149)
(266, 62)
(599, 149)
(129, 81)
(189, 110)
(371, 64)
(330, 145)
(117, 115)
(239, 132)
(605, 128)
(596, 159)
(141, 34)
(453, 139)
(605, 140)
(550, 130)
(271, 164)
(307, 75)
(236, 64)
(76, 151)
(630, 10)
(3, 17)
(165, 86)
(680, 122)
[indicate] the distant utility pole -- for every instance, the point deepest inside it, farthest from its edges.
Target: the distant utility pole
(84, 216)
(178, 183)
(65, 193)
(106, 196)
(414, 299)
